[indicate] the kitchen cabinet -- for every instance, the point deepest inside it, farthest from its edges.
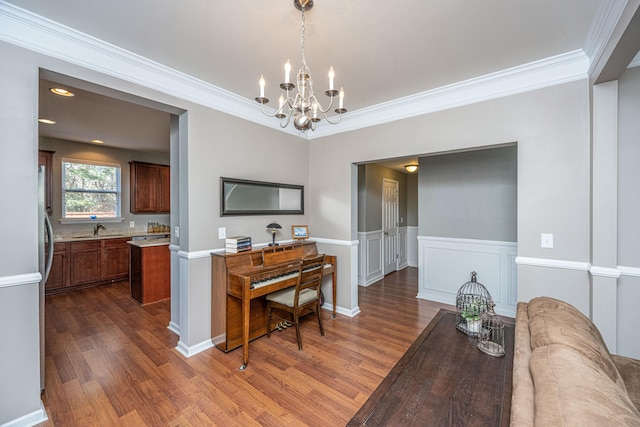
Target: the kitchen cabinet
(89, 262)
(149, 188)
(86, 257)
(59, 274)
(45, 158)
(115, 259)
(150, 272)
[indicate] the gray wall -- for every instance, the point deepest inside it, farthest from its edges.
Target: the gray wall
(370, 177)
(470, 195)
(79, 151)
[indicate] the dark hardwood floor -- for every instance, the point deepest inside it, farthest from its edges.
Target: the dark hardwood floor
(111, 362)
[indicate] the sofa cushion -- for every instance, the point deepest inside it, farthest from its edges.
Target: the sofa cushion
(522, 393)
(630, 372)
(572, 390)
(552, 321)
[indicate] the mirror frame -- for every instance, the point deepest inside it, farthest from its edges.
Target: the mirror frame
(225, 211)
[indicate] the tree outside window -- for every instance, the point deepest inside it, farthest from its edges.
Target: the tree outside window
(90, 190)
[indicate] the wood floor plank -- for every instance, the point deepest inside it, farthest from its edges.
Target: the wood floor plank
(112, 362)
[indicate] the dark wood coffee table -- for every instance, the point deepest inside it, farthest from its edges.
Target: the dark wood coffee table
(443, 380)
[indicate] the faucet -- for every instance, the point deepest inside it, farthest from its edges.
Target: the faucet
(97, 228)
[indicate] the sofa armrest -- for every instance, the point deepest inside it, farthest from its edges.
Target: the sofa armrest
(522, 395)
(630, 372)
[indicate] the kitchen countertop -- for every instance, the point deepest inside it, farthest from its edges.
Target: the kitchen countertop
(143, 243)
(83, 237)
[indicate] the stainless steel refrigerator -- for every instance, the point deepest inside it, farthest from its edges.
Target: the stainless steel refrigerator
(45, 234)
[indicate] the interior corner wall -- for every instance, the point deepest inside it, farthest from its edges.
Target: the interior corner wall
(551, 127)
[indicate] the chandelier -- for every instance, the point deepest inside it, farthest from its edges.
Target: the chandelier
(303, 106)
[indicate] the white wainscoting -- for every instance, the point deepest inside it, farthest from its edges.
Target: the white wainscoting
(402, 248)
(446, 264)
(370, 257)
(370, 262)
(412, 246)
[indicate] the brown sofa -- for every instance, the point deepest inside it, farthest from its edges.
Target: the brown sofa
(563, 374)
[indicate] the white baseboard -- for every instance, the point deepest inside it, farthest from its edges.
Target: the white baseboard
(174, 327)
(31, 419)
(187, 351)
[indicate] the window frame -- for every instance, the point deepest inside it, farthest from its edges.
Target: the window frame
(118, 193)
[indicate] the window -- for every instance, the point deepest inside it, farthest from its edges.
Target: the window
(90, 190)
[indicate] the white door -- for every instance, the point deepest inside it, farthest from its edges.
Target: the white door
(390, 225)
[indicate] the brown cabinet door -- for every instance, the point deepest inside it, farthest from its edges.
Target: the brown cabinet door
(85, 260)
(144, 187)
(58, 276)
(165, 189)
(115, 259)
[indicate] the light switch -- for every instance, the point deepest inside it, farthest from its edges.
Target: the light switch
(222, 232)
(176, 231)
(546, 240)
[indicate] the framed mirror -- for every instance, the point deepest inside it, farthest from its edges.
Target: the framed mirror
(244, 197)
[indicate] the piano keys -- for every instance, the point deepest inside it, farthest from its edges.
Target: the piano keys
(239, 284)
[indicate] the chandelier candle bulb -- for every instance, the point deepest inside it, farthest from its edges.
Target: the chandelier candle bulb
(341, 105)
(287, 71)
(262, 84)
(332, 74)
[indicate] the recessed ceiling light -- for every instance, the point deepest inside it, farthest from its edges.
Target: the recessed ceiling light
(47, 121)
(60, 91)
(97, 141)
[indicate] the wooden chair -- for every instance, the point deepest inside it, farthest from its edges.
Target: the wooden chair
(300, 300)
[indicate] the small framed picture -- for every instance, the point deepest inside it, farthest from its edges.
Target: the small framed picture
(300, 232)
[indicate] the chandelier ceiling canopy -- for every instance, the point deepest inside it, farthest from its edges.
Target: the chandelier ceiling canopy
(302, 105)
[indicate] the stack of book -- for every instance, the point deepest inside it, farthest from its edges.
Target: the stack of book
(238, 244)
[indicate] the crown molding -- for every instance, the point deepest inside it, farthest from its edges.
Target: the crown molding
(602, 29)
(547, 72)
(37, 33)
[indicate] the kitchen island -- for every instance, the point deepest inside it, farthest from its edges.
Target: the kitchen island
(150, 270)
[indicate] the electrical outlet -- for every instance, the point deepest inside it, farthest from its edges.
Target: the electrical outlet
(132, 224)
(546, 240)
(222, 232)
(176, 231)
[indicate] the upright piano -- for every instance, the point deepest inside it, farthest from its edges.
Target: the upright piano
(240, 283)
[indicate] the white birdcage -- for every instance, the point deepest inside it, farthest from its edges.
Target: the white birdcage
(471, 303)
(491, 338)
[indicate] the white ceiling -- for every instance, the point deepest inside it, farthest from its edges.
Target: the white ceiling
(380, 50)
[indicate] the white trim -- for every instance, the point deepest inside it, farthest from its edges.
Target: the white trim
(553, 263)
(20, 279)
(629, 271)
(604, 271)
(456, 240)
(31, 419)
(602, 27)
(37, 33)
(88, 220)
(335, 242)
(174, 327)
(195, 349)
